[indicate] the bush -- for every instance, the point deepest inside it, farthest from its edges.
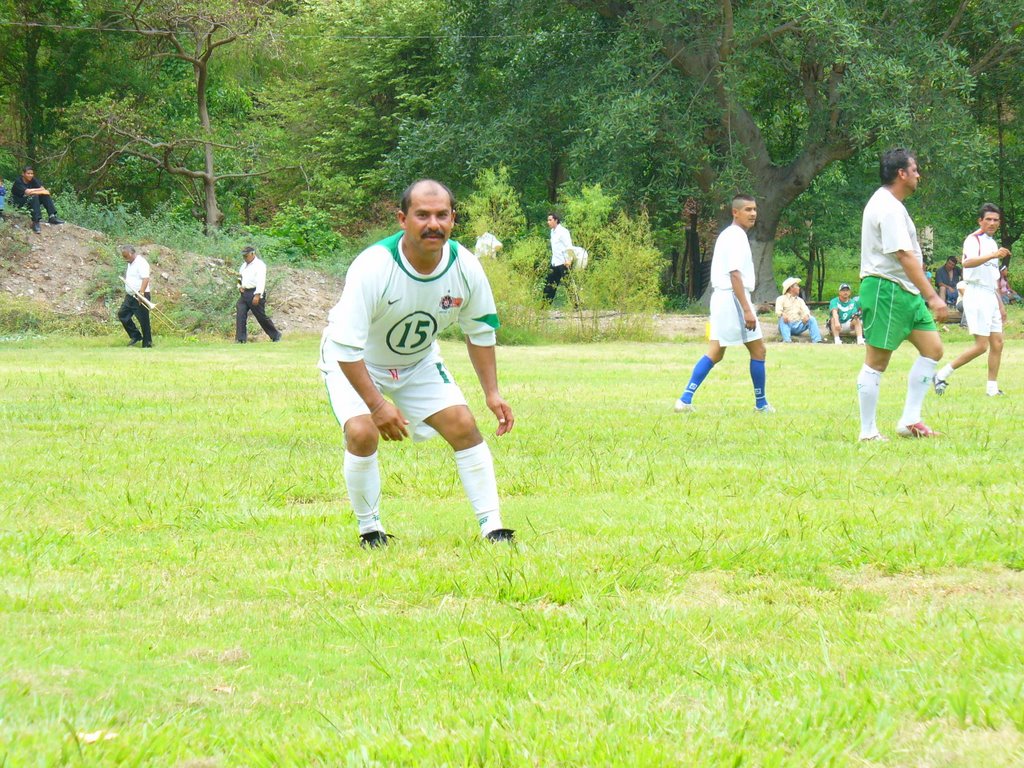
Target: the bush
(493, 207)
(516, 283)
(301, 234)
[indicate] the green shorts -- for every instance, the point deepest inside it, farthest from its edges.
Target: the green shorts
(891, 313)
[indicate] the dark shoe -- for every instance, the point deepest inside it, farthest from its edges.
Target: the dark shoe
(374, 539)
(2, 217)
(147, 346)
(501, 534)
(54, 220)
(278, 338)
(239, 341)
(133, 342)
(37, 228)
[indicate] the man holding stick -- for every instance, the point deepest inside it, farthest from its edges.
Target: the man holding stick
(137, 287)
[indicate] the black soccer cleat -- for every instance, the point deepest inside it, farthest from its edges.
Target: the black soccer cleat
(374, 539)
(501, 534)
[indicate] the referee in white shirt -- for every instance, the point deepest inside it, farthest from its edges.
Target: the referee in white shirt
(136, 278)
(252, 285)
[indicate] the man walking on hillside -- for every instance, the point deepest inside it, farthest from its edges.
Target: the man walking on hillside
(136, 283)
(252, 285)
(733, 321)
(381, 340)
(895, 298)
(982, 308)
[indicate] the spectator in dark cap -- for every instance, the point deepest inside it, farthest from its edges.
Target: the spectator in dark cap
(844, 315)
(252, 285)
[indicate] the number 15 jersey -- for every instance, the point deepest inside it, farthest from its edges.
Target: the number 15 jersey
(390, 315)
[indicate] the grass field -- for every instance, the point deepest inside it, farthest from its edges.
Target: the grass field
(180, 581)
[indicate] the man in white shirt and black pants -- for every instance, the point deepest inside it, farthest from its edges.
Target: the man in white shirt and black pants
(252, 285)
(136, 281)
(561, 242)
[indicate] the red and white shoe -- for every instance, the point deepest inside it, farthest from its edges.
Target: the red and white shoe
(916, 430)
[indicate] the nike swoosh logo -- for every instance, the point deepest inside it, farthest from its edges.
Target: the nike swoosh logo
(395, 301)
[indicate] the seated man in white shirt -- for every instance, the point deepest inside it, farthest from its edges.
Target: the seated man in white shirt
(252, 285)
(794, 315)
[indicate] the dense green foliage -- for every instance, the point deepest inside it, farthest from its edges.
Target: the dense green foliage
(305, 119)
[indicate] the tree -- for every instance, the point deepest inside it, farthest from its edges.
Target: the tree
(797, 87)
(190, 32)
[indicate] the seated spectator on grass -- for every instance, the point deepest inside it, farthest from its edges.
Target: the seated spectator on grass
(794, 316)
(1006, 293)
(28, 192)
(844, 315)
(946, 278)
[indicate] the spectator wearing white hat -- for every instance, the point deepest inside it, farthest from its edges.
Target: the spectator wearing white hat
(794, 316)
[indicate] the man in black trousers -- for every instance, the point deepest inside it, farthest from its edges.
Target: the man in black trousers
(27, 192)
(136, 283)
(252, 285)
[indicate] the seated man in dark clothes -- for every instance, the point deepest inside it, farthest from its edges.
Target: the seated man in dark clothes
(28, 192)
(946, 278)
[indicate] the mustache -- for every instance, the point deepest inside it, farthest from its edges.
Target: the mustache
(432, 233)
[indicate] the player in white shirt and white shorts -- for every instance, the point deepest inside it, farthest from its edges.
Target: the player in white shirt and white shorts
(380, 342)
(732, 318)
(983, 309)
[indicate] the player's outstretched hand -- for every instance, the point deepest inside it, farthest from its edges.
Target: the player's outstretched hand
(390, 422)
(503, 411)
(938, 307)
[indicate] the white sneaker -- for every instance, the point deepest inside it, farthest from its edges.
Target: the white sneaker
(764, 409)
(681, 407)
(838, 341)
(997, 393)
(860, 341)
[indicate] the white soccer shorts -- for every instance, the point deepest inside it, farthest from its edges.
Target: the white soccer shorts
(981, 310)
(419, 391)
(727, 327)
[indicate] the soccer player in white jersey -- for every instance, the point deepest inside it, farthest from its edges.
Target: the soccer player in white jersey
(381, 341)
(983, 310)
(733, 321)
(896, 298)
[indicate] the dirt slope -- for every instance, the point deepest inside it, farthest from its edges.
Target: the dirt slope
(70, 268)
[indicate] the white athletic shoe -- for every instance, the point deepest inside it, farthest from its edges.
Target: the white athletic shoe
(764, 409)
(681, 407)
(997, 393)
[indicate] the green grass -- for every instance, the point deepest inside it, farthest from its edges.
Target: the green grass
(178, 566)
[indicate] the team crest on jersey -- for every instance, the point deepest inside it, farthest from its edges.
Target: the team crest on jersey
(447, 302)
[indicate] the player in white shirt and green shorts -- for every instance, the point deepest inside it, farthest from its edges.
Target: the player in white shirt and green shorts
(896, 298)
(380, 342)
(983, 309)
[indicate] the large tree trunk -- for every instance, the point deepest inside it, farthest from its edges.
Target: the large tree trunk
(213, 215)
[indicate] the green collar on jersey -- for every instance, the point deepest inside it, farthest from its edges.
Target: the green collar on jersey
(391, 243)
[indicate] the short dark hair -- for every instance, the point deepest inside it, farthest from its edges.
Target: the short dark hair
(893, 161)
(406, 198)
(27, 168)
(742, 196)
(555, 216)
(248, 249)
(989, 208)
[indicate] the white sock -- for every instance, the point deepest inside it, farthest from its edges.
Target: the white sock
(362, 478)
(945, 373)
(918, 383)
(868, 384)
(838, 340)
(476, 470)
(860, 339)
(992, 387)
